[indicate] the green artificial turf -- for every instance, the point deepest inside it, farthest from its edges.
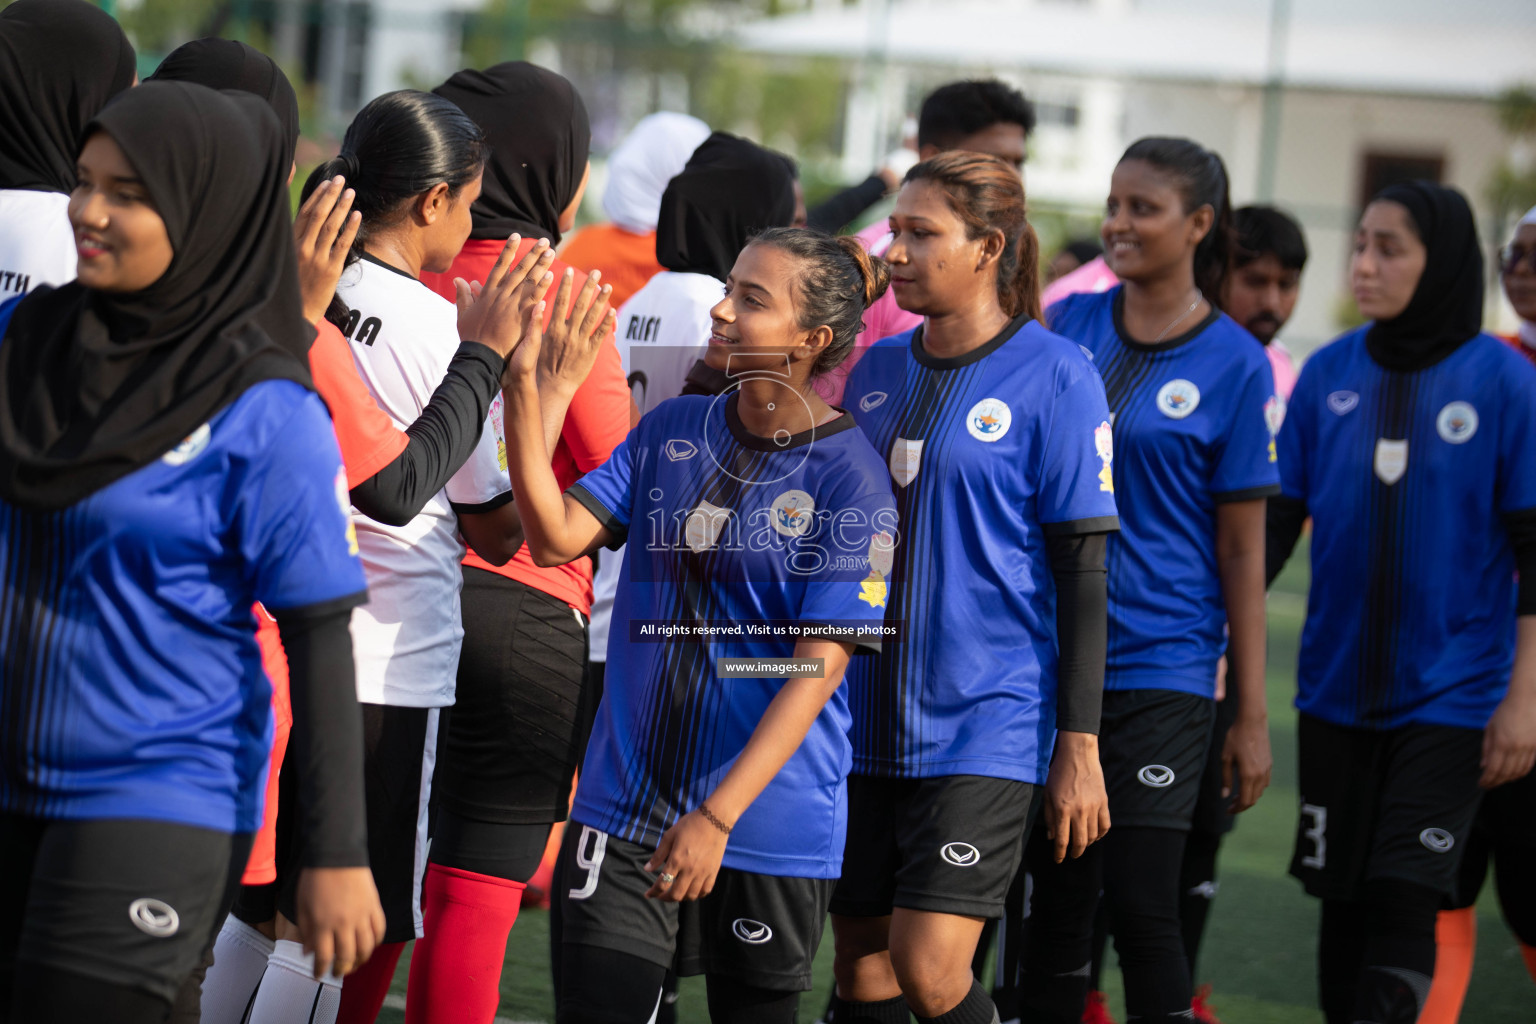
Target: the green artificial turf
(1259, 945)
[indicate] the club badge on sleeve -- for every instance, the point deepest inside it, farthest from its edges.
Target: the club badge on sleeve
(1104, 445)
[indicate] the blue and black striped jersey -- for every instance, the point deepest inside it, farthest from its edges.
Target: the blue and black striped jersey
(1407, 477)
(733, 540)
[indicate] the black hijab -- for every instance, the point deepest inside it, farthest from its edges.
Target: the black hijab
(227, 64)
(94, 385)
(1446, 310)
(540, 138)
(730, 190)
(60, 62)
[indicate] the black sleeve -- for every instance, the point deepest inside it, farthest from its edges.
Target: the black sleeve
(1082, 614)
(1283, 519)
(325, 749)
(1522, 537)
(441, 439)
(837, 212)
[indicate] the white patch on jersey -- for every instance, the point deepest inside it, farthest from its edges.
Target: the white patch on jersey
(989, 419)
(704, 525)
(677, 449)
(1104, 445)
(153, 917)
(793, 512)
(190, 447)
(1437, 840)
(906, 459)
(1178, 398)
(1391, 460)
(882, 553)
(1274, 414)
(873, 400)
(1342, 403)
(1456, 423)
(1156, 775)
(961, 855)
(754, 933)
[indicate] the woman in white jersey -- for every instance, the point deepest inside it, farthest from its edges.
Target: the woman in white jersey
(60, 62)
(415, 161)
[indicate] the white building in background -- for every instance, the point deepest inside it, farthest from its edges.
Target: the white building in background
(1357, 101)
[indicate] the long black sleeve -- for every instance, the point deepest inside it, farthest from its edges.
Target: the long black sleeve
(1082, 628)
(1283, 519)
(837, 212)
(325, 749)
(441, 439)
(1522, 537)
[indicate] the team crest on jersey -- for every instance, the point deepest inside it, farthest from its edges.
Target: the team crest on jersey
(190, 447)
(882, 553)
(704, 525)
(873, 590)
(499, 422)
(1342, 403)
(873, 400)
(344, 502)
(906, 459)
(1178, 398)
(793, 513)
(989, 419)
(678, 450)
(1104, 445)
(1391, 460)
(1456, 423)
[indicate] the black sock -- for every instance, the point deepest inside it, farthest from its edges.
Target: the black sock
(976, 1008)
(884, 1011)
(1399, 953)
(736, 1002)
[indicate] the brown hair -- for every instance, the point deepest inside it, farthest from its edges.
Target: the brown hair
(988, 195)
(837, 281)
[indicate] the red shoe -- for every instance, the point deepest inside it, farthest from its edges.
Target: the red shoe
(1097, 1009)
(1200, 1006)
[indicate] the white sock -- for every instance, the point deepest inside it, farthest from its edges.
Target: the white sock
(289, 993)
(239, 958)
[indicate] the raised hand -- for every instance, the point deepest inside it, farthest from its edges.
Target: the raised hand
(495, 313)
(569, 345)
(323, 234)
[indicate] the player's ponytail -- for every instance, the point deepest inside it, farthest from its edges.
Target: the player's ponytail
(988, 195)
(1201, 178)
(400, 145)
(838, 281)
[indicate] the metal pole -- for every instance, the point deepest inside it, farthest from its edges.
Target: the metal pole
(1274, 87)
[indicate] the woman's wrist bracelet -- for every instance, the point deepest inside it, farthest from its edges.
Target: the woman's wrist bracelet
(709, 816)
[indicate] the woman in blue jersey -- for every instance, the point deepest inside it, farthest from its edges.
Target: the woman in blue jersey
(760, 527)
(1409, 444)
(164, 465)
(997, 436)
(1194, 411)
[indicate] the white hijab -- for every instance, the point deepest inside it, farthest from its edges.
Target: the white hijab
(651, 155)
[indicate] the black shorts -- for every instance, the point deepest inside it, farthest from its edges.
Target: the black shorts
(512, 741)
(126, 902)
(1213, 812)
(399, 749)
(1153, 745)
(762, 930)
(949, 844)
(1504, 832)
(1392, 804)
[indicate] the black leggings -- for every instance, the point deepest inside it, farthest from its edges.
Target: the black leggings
(513, 852)
(1376, 954)
(631, 990)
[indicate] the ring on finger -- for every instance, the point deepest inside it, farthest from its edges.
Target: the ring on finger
(666, 879)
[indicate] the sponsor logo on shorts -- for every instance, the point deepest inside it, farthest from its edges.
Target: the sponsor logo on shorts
(1342, 403)
(677, 449)
(154, 917)
(1437, 840)
(873, 400)
(1178, 398)
(1157, 776)
(754, 933)
(961, 855)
